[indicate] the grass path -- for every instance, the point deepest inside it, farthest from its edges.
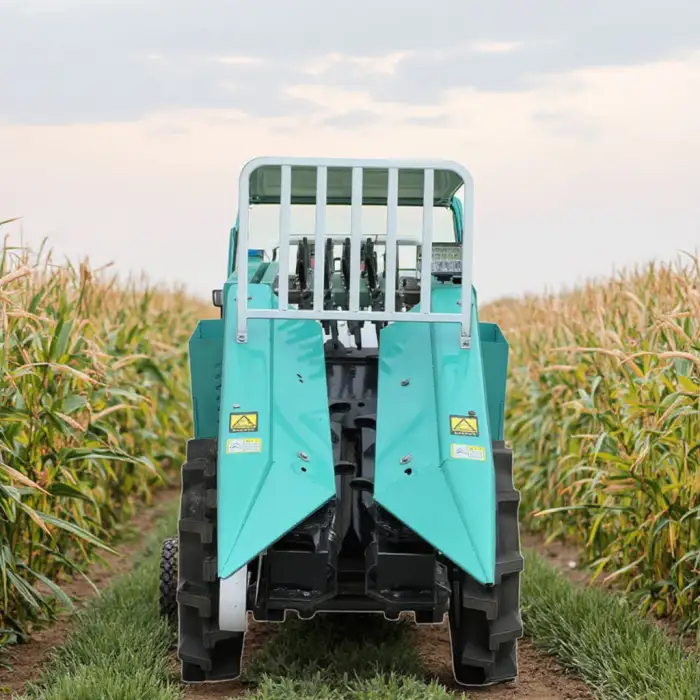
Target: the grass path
(598, 634)
(121, 650)
(118, 647)
(20, 663)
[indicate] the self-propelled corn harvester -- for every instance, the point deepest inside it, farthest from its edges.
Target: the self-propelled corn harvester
(348, 451)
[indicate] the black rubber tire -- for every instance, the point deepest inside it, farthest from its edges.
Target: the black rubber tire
(206, 652)
(168, 579)
(485, 621)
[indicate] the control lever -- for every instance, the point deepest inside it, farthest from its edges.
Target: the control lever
(398, 287)
(354, 327)
(375, 292)
(329, 294)
(302, 272)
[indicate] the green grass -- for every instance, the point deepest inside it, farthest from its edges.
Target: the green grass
(334, 658)
(377, 687)
(598, 635)
(120, 648)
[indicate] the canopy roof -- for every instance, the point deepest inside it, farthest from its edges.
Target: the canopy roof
(265, 182)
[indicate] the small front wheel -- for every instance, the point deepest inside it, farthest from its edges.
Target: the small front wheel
(168, 579)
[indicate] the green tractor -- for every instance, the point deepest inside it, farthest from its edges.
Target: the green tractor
(348, 452)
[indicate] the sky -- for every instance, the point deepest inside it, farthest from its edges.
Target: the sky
(124, 124)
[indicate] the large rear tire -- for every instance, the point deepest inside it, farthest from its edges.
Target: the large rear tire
(206, 652)
(485, 621)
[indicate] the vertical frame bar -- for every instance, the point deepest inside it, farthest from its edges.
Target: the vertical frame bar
(319, 240)
(467, 258)
(285, 226)
(355, 238)
(426, 278)
(392, 202)
(242, 243)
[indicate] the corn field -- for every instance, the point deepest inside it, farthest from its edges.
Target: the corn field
(94, 407)
(603, 413)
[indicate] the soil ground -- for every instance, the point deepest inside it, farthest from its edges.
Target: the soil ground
(562, 556)
(540, 677)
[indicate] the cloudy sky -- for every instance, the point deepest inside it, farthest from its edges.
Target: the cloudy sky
(123, 124)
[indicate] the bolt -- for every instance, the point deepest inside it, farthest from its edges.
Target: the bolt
(405, 382)
(236, 405)
(303, 456)
(406, 459)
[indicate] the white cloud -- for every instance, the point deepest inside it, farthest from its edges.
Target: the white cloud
(148, 57)
(495, 46)
(379, 65)
(239, 60)
(553, 204)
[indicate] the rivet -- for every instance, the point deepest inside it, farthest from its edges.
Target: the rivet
(303, 456)
(405, 382)
(236, 405)
(406, 459)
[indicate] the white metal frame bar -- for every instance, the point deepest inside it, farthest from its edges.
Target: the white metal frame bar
(320, 242)
(355, 239)
(427, 240)
(285, 231)
(389, 314)
(392, 211)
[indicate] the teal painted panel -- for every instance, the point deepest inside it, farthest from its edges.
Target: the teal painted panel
(270, 274)
(284, 472)
(446, 493)
(494, 354)
(205, 351)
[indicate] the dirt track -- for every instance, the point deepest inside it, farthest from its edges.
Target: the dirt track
(540, 677)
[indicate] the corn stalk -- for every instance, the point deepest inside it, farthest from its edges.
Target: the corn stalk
(604, 416)
(94, 408)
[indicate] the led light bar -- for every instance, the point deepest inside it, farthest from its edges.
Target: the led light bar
(446, 259)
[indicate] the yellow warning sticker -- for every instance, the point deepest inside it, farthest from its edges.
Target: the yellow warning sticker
(238, 446)
(243, 422)
(464, 425)
(472, 452)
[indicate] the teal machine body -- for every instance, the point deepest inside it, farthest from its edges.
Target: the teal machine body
(348, 451)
